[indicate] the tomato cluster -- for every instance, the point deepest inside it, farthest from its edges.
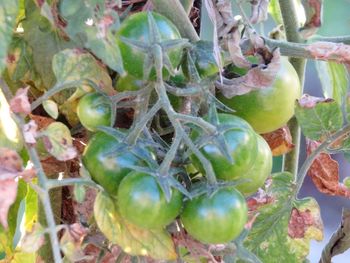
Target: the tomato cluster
(219, 215)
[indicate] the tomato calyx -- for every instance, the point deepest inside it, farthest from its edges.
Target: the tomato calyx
(156, 51)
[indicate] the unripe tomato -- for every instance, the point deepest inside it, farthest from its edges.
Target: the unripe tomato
(260, 170)
(269, 108)
(136, 27)
(142, 202)
(241, 141)
(94, 110)
(204, 60)
(105, 169)
(215, 219)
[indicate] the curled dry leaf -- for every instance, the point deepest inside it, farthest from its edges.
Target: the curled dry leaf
(30, 132)
(258, 10)
(261, 199)
(10, 166)
(258, 77)
(72, 242)
(307, 101)
(338, 52)
(324, 173)
(313, 10)
(20, 102)
(280, 141)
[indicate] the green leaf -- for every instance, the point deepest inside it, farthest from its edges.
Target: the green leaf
(20, 69)
(8, 14)
(334, 79)
(51, 108)
(92, 23)
(318, 118)
(72, 65)
(44, 40)
(133, 240)
(58, 141)
(275, 234)
(275, 11)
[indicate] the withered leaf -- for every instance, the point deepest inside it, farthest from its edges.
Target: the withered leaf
(10, 166)
(20, 102)
(258, 77)
(30, 132)
(338, 52)
(258, 10)
(324, 173)
(313, 10)
(280, 141)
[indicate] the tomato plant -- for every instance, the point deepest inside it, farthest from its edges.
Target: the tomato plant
(168, 164)
(94, 110)
(270, 108)
(142, 202)
(215, 219)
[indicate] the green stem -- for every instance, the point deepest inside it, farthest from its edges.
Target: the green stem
(54, 183)
(322, 147)
(173, 10)
(44, 196)
(290, 21)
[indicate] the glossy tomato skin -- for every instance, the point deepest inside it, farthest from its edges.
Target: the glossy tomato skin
(135, 27)
(94, 110)
(107, 170)
(259, 171)
(217, 219)
(242, 145)
(142, 202)
(270, 108)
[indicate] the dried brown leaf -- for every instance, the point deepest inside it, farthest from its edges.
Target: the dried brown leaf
(258, 10)
(280, 141)
(8, 193)
(258, 77)
(41, 121)
(338, 52)
(30, 132)
(307, 101)
(20, 102)
(324, 173)
(313, 10)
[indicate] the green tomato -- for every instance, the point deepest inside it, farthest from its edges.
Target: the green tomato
(215, 219)
(94, 110)
(204, 60)
(136, 27)
(105, 169)
(270, 108)
(260, 170)
(142, 202)
(241, 141)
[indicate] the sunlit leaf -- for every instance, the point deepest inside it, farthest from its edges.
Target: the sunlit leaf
(334, 79)
(8, 14)
(133, 240)
(284, 226)
(318, 117)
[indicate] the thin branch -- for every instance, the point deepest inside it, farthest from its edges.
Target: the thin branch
(340, 240)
